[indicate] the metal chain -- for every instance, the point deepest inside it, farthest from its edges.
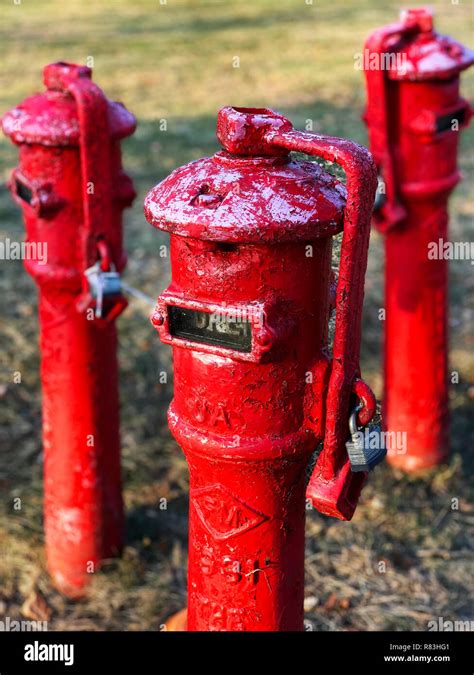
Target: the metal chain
(139, 295)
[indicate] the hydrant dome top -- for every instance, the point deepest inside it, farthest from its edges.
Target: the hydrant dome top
(248, 200)
(251, 191)
(51, 118)
(423, 54)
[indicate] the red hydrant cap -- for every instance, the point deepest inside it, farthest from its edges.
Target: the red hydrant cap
(421, 17)
(58, 75)
(424, 54)
(250, 192)
(241, 131)
(50, 118)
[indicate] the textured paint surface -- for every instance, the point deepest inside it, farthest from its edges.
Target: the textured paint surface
(257, 240)
(419, 165)
(62, 151)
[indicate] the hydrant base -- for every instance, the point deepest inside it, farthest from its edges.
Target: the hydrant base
(418, 463)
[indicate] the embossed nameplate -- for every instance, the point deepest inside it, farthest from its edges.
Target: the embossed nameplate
(222, 329)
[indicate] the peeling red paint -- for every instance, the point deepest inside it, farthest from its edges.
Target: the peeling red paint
(251, 232)
(69, 140)
(409, 114)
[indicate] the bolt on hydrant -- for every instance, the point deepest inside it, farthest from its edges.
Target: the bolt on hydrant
(255, 388)
(414, 115)
(72, 190)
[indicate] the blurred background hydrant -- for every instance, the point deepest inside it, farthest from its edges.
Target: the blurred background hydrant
(414, 115)
(72, 190)
(255, 389)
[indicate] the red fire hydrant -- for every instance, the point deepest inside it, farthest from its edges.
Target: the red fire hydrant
(414, 114)
(255, 389)
(72, 191)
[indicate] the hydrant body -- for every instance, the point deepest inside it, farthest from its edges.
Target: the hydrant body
(247, 315)
(414, 115)
(72, 190)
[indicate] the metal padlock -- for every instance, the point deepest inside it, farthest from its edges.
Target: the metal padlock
(361, 456)
(102, 284)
